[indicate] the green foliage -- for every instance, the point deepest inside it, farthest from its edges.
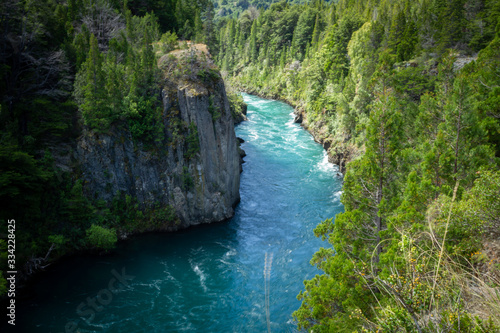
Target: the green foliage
(123, 85)
(472, 217)
(101, 238)
(22, 182)
(97, 69)
(145, 122)
(213, 109)
(3, 284)
(208, 75)
(378, 80)
(187, 179)
(168, 42)
(193, 142)
(334, 51)
(164, 215)
(58, 240)
(127, 214)
(375, 79)
(236, 103)
(90, 90)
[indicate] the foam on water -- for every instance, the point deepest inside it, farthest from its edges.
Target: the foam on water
(202, 277)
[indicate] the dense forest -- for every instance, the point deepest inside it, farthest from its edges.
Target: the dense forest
(66, 66)
(408, 94)
(405, 95)
(225, 8)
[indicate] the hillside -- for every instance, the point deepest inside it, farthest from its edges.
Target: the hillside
(404, 96)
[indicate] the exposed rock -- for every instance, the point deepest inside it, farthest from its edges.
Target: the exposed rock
(461, 61)
(241, 152)
(295, 66)
(298, 116)
(202, 188)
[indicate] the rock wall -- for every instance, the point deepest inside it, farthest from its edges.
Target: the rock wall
(202, 188)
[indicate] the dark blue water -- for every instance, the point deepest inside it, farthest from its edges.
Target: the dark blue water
(209, 278)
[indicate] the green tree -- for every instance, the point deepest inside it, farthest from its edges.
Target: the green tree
(449, 23)
(90, 91)
(334, 51)
(253, 51)
(198, 28)
(101, 238)
(316, 33)
(370, 195)
(303, 32)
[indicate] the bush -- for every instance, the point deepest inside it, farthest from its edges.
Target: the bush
(168, 42)
(193, 143)
(101, 238)
(214, 111)
(187, 179)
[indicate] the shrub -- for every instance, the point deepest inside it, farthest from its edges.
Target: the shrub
(193, 143)
(101, 238)
(214, 111)
(187, 179)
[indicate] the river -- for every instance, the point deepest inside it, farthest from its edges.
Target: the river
(237, 276)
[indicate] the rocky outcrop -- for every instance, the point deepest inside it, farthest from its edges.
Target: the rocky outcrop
(200, 181)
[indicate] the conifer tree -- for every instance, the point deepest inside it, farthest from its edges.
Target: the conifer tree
(90, 89)
(316, 33)
(209, 29)
(253, 42)
(198, 27)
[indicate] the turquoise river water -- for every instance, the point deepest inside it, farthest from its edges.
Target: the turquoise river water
(211, 278)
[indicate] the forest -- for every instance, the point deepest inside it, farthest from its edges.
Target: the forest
(407, 93)
(404, 94)
(68, 66)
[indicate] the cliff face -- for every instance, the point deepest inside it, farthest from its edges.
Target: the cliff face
(200, 181)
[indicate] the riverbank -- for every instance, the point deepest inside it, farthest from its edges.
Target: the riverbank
(340, 150)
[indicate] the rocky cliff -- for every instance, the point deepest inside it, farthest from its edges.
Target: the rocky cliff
(195, 170)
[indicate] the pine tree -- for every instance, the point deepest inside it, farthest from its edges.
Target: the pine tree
(90, 90)
(316, 33)
(209, 29)
(198, 28)
(406, 46)
(396, 33)
(115, 85)
(253, 42)
(464, 133)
